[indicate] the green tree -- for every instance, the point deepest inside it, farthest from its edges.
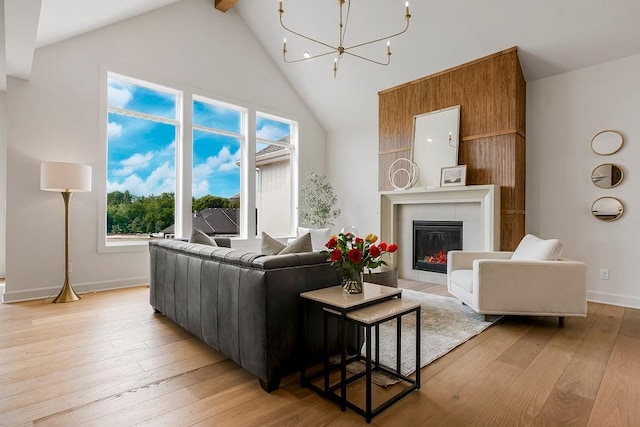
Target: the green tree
(127, 213)
(210, 201)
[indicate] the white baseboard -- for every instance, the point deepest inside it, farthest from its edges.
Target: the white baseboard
(80, 288)
(614, 299)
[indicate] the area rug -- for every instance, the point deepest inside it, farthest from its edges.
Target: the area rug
(445, 324)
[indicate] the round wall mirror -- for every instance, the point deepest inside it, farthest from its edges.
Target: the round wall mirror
(607, 175)
(607, 142)
(607, 209)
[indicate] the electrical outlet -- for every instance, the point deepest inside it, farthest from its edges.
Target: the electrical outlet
(604, 273)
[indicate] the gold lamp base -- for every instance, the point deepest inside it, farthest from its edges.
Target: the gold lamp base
(67, 294)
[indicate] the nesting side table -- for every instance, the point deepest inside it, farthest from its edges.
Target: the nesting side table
(377, 304)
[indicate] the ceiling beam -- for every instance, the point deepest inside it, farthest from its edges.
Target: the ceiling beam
(224, 5)
(21, 27)
(3, 53)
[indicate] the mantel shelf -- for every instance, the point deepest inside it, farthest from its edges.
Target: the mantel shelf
(464, 189)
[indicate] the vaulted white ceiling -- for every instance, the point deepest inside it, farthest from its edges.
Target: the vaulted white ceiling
(552, 37)
(30, 24)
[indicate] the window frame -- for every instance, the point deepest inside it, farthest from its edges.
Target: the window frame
(184, 159)
(104, 246)
(242, 136)
(293, 146)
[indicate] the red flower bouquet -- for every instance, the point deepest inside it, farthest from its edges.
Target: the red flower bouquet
(350, 255)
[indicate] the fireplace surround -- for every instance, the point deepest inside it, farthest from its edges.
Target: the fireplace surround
(477, 206)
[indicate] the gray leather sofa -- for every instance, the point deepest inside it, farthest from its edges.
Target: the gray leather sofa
(244, 305)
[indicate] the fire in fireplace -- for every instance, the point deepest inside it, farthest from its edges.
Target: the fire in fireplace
(431, 242)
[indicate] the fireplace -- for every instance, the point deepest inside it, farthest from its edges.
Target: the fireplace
(431, 242)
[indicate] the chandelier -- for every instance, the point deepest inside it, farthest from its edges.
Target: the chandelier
(340, 50)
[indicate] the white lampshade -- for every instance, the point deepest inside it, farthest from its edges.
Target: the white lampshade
(59, 176)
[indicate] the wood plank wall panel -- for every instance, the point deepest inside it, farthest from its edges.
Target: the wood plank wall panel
(385, 163)
(491, 92)
(511, 230)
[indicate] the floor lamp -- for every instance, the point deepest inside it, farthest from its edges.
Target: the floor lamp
(67, 178)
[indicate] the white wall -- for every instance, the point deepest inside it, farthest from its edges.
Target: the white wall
(54, 117)
(563, 114)
(352, 169)
(3, 182)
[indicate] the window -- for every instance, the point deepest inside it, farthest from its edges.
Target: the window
(274, 175)
(142, 131)
(171, 167)
(216, 178)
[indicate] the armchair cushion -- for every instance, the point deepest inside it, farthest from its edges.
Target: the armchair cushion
(533, 248)
(463, 279)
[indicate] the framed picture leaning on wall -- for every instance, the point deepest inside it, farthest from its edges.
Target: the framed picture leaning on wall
(452, 176)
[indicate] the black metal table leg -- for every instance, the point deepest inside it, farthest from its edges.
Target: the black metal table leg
(368, 365)
(418, 347)
(325, 350)
(343, 363)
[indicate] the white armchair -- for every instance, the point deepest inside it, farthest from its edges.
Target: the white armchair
(493, 283)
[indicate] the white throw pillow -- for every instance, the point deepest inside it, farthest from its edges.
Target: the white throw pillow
(271, 246)
(300, 245)
(533, 248)
(199, 236)
(319, 236)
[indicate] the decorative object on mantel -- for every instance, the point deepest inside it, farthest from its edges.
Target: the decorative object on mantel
(607, 175)
(453, 176)
(435, 144)
(66, 178)
(340, 50)
(607, 209)
(607, 142)
(409, 174)
(350, 255)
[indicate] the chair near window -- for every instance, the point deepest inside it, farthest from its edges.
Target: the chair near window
(534, 280)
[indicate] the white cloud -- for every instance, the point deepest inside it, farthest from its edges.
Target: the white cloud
(114, 130)
(161, 180)
(200, 189)
(169, 150)
(132, 163)
(224, 161)
(271, 133)
(229, 166)
(137, 160)
(119, 98)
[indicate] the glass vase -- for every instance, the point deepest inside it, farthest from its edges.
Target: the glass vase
(352, 282)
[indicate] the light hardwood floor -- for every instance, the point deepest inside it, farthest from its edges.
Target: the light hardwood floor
(108, 360)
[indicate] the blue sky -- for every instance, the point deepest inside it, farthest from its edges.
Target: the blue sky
(141, 153)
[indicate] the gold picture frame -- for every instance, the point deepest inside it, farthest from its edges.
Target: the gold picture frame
(453, 176)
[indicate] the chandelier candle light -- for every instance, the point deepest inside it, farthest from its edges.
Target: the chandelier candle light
(340, 50)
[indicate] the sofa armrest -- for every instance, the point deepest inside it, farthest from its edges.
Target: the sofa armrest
(463, 260)
(535, 287)
(269, 262)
